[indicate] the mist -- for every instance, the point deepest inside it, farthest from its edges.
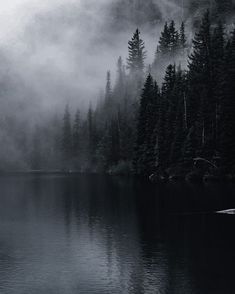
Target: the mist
(58, 52)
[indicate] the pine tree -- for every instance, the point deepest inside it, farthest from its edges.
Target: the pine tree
(165, 40)
(168, 112)
(115, 142)
(147, 119)
(120, 86)
(218, 67)
(126, 127)
(201, 100)
(120, 72)
(103, 152)
(67, 135)
(108, 89)
(223, 8)
(189, 151)
(182, 37)
(174, 38)
(76, 134)
(137, 54)
(91, 131)
(228, 110)
(151, 125)
(178, 124)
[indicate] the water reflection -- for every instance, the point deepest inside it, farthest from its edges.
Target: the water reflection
(93, 234)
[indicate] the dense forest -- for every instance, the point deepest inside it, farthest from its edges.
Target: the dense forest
(143, 127)
(174, 117)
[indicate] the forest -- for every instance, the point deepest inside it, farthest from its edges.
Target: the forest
(158, 128)
(171, 118)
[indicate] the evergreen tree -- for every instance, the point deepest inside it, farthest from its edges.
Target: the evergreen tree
(165, 40)
(120, 73)
(182, 36)
(137, 54)
(115, 142)
(178, 125)
(189, 151)
(228, 110)
(108, 89)
(174, 38)
(109, 102)
(67, 135)
(91, 131)
(120, 86)
(151, 124)
(201, 100)
(144, 151)
(223, 8)
(103, 152)
(127, 137)
(168, 112)
(108, 151)
(218, 68)
(76, 134)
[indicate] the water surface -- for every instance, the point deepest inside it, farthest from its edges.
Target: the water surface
(94, 234)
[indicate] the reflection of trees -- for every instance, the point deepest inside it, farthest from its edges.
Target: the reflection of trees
(150, 237)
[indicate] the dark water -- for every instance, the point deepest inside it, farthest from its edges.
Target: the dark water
(91, 234)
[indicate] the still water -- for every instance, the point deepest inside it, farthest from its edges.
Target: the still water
(93, 234)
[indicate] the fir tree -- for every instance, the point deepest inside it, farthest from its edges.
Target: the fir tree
(174, 38)
(178, 125)
(168, 112)
(120, 72)
(165, 40)
(115, 142)
(223, 8)
(76, 134)
(228, 110)
(91, 131)
(67, 135)
(182, 36)
(201, 98)
(218, 67)
(145, 128)
(103, 152)
(137, 54)
(152, 113)
(108, 89)
(120, 86)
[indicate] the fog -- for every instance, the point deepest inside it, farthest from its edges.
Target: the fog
(58, 51)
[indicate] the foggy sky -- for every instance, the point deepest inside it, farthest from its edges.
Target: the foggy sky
(58, 51)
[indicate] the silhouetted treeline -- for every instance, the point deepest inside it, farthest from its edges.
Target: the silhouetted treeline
(161, 118)
(145, 129)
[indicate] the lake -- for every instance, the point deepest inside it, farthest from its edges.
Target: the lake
(98, 234)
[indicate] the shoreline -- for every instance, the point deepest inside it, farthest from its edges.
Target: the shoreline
(208, 178)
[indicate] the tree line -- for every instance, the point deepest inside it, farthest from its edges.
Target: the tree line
(142, 126)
